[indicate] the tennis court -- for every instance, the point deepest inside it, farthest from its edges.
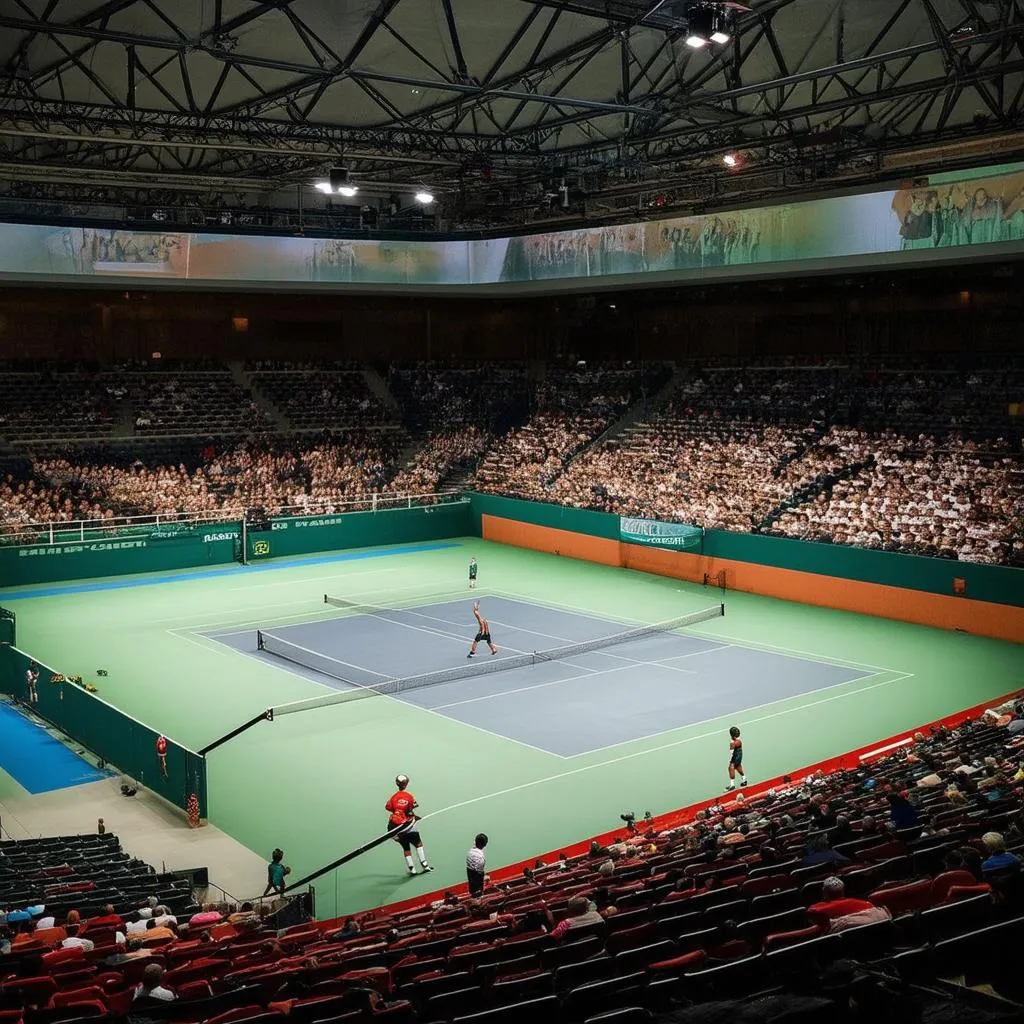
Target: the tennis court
(563, 705)
(538, 756)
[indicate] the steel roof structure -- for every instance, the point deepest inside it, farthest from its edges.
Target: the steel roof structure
(512, 112)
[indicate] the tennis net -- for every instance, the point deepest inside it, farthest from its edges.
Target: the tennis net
(366, 683)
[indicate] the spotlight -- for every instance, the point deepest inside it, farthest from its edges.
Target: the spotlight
(348, 191)
(424, 197)
(720, 36)
(325, 187)
(701, 25)
(730, 160)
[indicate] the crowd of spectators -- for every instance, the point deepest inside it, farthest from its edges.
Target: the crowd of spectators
(919, 458)
(322, 476)
(954, 499)
(842, 895)
(761, 450)
(571, 407)
(443, 453)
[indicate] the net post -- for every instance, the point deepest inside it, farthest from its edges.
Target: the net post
(259, 640)
(723, 608)
(245, 540)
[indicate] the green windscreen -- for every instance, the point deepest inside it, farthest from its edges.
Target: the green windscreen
(677, 536)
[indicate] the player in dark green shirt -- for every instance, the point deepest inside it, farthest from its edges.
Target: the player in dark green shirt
(472, 573)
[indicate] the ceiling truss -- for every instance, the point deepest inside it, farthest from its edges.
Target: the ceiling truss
(600, 93)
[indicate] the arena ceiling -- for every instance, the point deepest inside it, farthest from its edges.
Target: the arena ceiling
(510, 111)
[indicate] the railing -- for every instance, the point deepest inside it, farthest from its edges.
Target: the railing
(169, 524)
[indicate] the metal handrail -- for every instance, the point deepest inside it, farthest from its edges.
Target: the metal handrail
(79, 530)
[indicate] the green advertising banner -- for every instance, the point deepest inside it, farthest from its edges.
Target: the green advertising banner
(360, 529)
(48, 563)
(677, 536)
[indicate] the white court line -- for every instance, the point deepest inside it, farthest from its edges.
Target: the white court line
(213, 627)
(316, 579)
(606, 652)
(326, 657)
(649, 750)
(227, 651)
(809, 655)
(738, 640)
(898, 677)
(587, 674)
(652, 664)
(281, 604)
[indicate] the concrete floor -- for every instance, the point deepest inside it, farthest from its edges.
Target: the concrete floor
(147, 827)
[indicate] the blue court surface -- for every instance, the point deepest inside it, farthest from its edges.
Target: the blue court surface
(36, 760)
(568, 707)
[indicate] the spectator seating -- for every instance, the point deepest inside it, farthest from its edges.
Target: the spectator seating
(721, 905)
(46, 404)
(572, 407)
(321, 398)
(913, 458)
(190, 404)
(445, 396)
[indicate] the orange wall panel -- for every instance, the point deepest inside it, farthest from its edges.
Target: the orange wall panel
(984, 618)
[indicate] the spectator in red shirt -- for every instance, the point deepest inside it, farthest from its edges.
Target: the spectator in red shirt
(401, 808)
(837, 911)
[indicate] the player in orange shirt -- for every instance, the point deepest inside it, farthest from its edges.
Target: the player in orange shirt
(401, 808)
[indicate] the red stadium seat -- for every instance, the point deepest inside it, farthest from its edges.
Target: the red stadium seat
(944, 882)
(680, 964)
(782, 939)
(904, 899)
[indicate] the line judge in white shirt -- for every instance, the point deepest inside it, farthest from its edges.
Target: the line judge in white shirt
(476, 865)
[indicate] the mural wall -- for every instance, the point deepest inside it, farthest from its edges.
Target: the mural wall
(978, 207)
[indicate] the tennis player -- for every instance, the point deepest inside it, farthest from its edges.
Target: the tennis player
(735, 759)
(472, 573)
(401, 808)
(483, 632)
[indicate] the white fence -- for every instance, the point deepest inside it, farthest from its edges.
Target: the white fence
(25, 534)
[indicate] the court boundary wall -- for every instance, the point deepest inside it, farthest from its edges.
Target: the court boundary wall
(986, 600)
(109, 734)
(685, 815)
(212, 545)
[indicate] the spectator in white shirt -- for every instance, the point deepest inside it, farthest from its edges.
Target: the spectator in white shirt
(73, 941)
(150, 988)
(164, 918)
(476, 864)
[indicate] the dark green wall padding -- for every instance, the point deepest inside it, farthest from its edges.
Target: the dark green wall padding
(298, 536)
(996, 583)
(219, 543)
(108, 733)
(114, 556)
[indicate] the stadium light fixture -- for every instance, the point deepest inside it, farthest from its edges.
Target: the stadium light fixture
(424, 197)
(730, 160)
(720, 36)
(337, 182)
(701, 24)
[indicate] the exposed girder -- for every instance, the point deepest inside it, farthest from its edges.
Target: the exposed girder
(507, 96)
